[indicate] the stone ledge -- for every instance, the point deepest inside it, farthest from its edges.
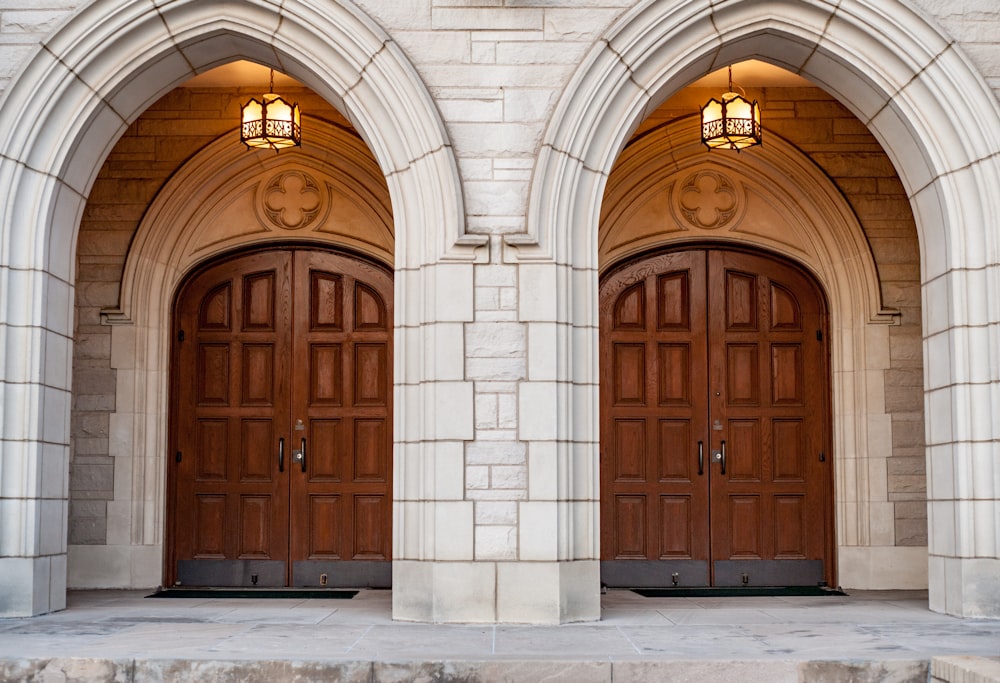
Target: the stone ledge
(568, 670)
(965, 669)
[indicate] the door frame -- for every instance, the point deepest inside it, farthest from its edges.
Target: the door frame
(383, 579)
(649, 571)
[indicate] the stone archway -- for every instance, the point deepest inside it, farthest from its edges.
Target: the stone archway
(75, 97)
(903, 78)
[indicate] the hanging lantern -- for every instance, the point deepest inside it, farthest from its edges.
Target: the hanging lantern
(271, 123)
(732, 122)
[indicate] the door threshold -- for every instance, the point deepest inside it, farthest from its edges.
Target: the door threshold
(256, 593)
(738, 591)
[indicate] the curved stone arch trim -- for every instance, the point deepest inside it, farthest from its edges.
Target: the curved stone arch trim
(79, 99)
(898, 73)
(173, 223)
(835, 250)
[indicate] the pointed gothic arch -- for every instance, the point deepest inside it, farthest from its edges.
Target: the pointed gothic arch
(935, 117)
(64, 112)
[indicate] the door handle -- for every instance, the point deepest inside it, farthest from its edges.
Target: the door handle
(281, 454)
(701, 458)
(299, 456)
(723, 457)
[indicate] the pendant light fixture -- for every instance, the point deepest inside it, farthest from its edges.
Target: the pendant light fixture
(732, 122)
(271, 123)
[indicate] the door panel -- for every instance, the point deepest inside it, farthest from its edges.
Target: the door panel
(343, 352)
(653, 404)
(281, 368)
(767, 324)
(719, 369)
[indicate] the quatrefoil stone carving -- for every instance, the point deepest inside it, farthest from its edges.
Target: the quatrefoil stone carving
(292, 200)
(708, 199)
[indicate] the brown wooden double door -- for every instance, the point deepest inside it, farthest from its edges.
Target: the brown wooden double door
(714, 423)
(281, 435)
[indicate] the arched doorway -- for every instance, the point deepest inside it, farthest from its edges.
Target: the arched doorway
(281, 422)
(715, 428)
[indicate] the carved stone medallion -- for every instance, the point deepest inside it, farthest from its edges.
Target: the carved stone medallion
(292, 200)
(707, 199)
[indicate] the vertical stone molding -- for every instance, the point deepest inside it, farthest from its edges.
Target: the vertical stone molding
(903, 78)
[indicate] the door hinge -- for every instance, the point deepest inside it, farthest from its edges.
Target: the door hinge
(178, 456)
(180, 335)
(819, 335)
(822, 456)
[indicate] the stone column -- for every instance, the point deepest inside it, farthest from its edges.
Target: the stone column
(962, 351)
(35, 342)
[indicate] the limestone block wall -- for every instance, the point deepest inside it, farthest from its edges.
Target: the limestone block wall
(498, 77)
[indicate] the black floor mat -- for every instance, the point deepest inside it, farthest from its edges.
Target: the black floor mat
(262, 593)
(749, 591)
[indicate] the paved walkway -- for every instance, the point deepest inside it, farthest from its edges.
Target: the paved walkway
(867, 636)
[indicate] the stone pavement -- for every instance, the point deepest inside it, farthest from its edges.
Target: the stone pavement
(866, 636)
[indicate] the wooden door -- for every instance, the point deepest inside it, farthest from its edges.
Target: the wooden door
(714, 444)
(341, 500)
(281, 423)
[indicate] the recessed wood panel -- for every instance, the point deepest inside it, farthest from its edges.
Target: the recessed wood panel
(258, 374)
(789, 527)
(214, 312)
(325, 521)
(369, 309)
(673, 301)
(326, 301)
(370, 450)
(676, 448)
(785, 314)
(327, 449)
(742, 374)
(741, 301)
(369, 525)
(745, 524)
(674, 381)
(325, 374)
(255, 526)
(743, 452)
(630, 450)
(209, 526)
(213, 374)
(788, 446)
(212, 449)
(630, 308)
(370, 371)
(630, 526)
(258, 302)
(786, 374)
(258, 448)
(676, 518)
(630, 373)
